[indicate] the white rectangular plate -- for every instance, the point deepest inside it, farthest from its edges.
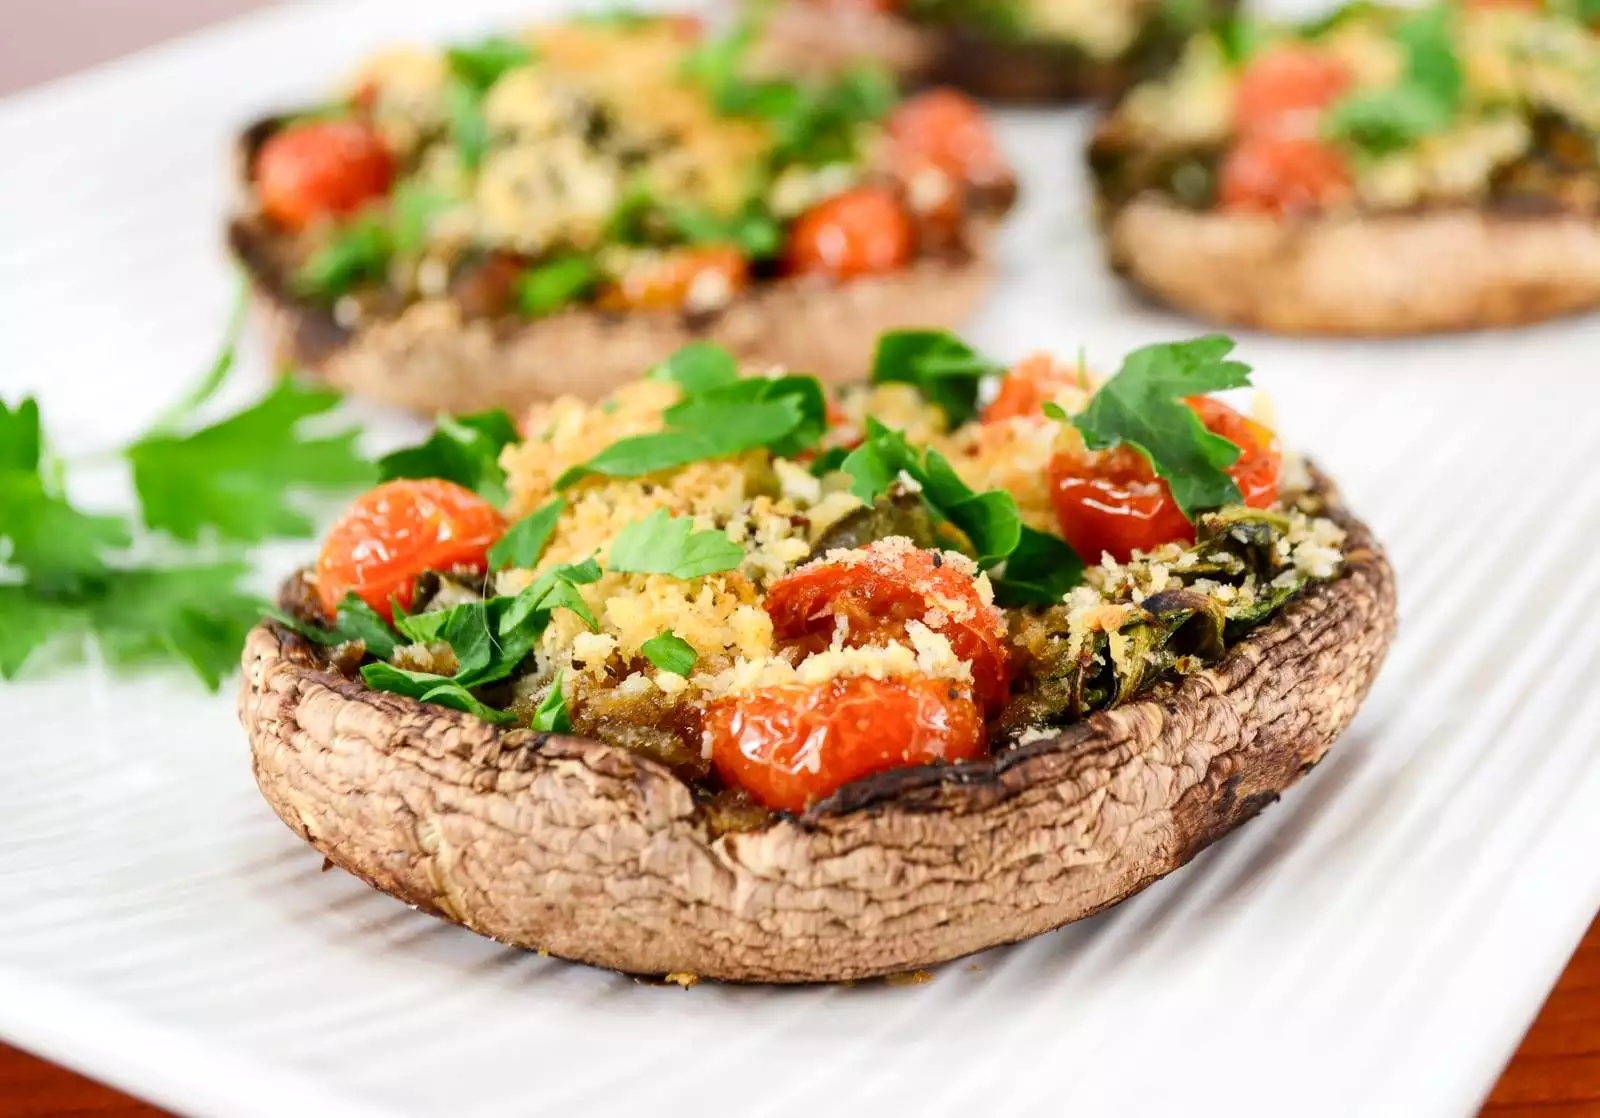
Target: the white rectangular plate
(1375, 944)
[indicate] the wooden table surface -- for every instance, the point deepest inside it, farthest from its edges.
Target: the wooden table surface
(1555, 1074)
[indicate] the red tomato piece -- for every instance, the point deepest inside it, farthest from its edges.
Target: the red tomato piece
(877, 591)
(680, 279)
(1112, 502)
(1027, 387)
(1283, 176)
(395, 532)
(791, 746)
(321, 168)
(862, 232)
(946, 129)
(1286, 88)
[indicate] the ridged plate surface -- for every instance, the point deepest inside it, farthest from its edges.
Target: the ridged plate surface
(1373, 945)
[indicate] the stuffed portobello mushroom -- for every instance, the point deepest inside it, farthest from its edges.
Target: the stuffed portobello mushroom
(1008, 50)
(1383, 171)
(746, 678)
(504, 221)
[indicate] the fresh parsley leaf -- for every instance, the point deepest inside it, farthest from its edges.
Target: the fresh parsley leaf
(552, 716)
(525, 540)
(938, 364)
(556, 589)
(29, 622)
(989, 520)
(412, 209)
(357, 253)
(1143, 407)
(465, 628)
(698, 367)
(715, 406)
(479, 65)
(733, 427)
(548, 287)
(670, 653)
(429, 688)
(239, 477)
(1424, 101)
(353, 621)
(1240, 38)
(195, 613)
(1039, 572)
(669, 545)
(464, 449)
(753, 231)
(468, 126)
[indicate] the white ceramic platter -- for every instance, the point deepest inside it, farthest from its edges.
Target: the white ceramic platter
(1373, 945)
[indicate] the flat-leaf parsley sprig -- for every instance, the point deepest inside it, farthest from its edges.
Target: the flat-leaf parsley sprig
(167, 579)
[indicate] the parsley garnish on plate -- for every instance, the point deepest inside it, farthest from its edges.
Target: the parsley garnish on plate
(68, 574)
(525, 540)
(552, 716)
(1143, 406)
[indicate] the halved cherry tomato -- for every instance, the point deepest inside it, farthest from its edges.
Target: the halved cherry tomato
(1273, 175)
(397, 531)
(1112, 502)
(321, 168)
(1027, 387)
(862, 232)
(1285, 89)
(946, 129)
(792, 745)
(680, 279)
(875, 592)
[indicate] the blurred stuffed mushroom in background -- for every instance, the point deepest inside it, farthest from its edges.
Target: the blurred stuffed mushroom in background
(498, 222)
(1011, 50)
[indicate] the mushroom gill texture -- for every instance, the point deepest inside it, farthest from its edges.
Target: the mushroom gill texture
(596, 855)
(1366, 275)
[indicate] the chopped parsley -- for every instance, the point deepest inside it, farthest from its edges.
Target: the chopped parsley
(1424, 101)
(941, 366)
(429, 688)
(464, 449)
(670, 653)
(1039, 571)
(669, 545)
(546, 288)
(479, 65)
(353, 621)
(698, 367)
(525, 540)
(552, 716)
(989, 520)
(1142, 406)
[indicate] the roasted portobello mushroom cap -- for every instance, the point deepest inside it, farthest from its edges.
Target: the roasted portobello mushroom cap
(581, 197)
(1429, 172)
(816, 740)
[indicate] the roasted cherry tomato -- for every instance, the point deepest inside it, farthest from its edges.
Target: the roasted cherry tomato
(1027, 387)
(1283, 91)
(680, 279)
(790, 746)
(321, 168)
(397, 531)
(875, 592)
(1274, 175)
(1112, 502)
(947, 130)
(862, 232)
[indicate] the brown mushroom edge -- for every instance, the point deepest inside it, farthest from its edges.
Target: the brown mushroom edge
(803, 36)
(433, 357)
(594, 854)
(1365, 275)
